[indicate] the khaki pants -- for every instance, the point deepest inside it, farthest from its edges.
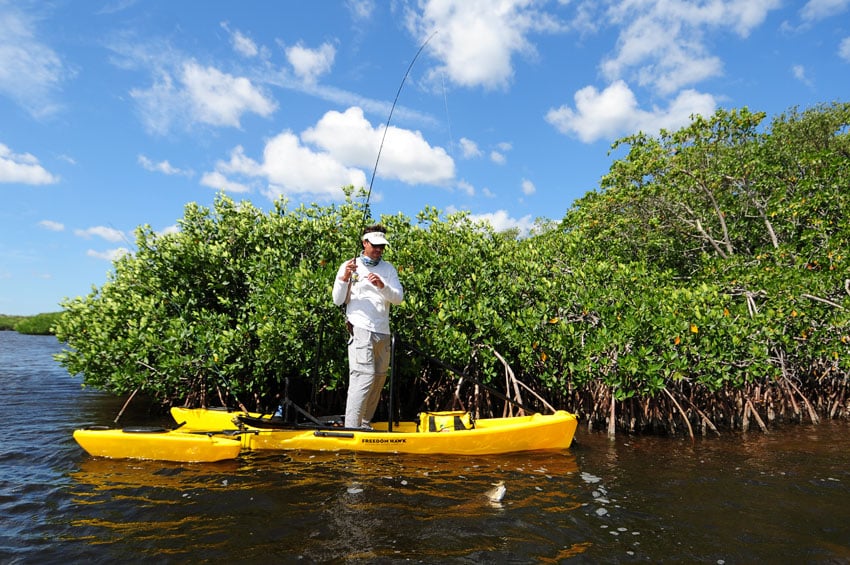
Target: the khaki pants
(368, 361)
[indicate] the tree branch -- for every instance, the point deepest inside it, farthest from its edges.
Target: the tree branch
(824, 300)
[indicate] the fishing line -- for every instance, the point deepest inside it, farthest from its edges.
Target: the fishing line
(381, 147)
(387, 127)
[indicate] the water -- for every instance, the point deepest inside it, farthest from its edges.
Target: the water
(778, 498)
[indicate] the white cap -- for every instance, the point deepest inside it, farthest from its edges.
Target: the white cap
(376, 238)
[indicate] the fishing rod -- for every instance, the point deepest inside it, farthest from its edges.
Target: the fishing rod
(381, 148)
(386, 129)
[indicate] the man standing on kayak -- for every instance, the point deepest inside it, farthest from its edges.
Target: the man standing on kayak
(367, 286)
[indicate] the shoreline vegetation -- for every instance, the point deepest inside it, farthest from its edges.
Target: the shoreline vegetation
(702, 287)
(39, 324)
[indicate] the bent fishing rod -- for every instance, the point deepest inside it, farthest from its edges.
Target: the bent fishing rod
(366, 213)
(386, 129)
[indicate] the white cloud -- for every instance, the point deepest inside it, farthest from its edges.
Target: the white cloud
(816, 10)
(332, 154)
(844, 49)
(501, 221)
(160, 105)
(172, 229)
(405, 156)
(288, 167)
(466, 188)
(109, 254)
(31, 73)
(163, 167)
(469, 149)
(360, 9)
(614, 112)
(309, 64)
(51, 225)
(661, 45)
(528, 187)
(109, 234)
(799, 72)
(292, 167)
(197, 94)
(743, 15)
(218, 181)
(165, 104)
(239, 165)
(244, 45)
(22, 168)
(476, 40)
(220, 99)
(498, 155)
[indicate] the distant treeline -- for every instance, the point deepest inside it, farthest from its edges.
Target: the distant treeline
(40, 324)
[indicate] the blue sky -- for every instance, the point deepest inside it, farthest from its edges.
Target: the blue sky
(116, 113)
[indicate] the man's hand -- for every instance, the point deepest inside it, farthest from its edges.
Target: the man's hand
(350, 267)
(375, 280)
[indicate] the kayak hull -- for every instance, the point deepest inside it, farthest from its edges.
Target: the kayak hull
(490, 436)
(158, 445)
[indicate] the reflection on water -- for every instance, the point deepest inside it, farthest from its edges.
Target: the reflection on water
(328, 506)
(104, 475)
(778, 498)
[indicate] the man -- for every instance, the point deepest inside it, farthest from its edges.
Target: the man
(368, 286)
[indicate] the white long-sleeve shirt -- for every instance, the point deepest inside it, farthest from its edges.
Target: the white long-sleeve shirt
(369, 306)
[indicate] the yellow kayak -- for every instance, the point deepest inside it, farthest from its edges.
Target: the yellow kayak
(488, 436)
(157, 443)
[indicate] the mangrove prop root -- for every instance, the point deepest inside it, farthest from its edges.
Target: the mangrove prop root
(762, 402)
(457, 402)
(121, 413)
(755, 414)
(535, 395)
(684, 416)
